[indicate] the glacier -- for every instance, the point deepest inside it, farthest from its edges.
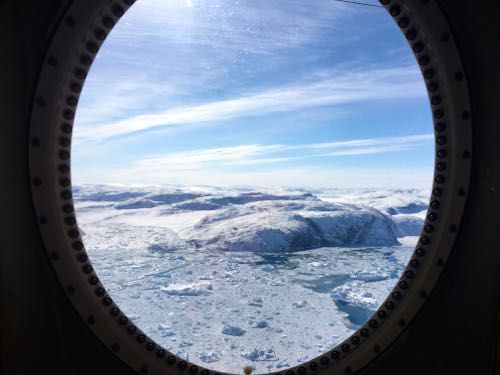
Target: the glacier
(227, 277)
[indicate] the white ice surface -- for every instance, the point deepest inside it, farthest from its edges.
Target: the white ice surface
(175, 269)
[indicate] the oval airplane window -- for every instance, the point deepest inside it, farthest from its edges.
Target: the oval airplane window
(251, 177)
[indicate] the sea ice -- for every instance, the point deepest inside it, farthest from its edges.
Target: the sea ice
(260, 355)
(282, 364)
(195, 289)
(267, 278)
(259, 324)
(233, 331)
(209, 357)
(257, 302)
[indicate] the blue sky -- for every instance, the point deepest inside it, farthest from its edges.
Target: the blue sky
(297, 93)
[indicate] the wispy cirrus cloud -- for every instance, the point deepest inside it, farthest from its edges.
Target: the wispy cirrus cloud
(185, 48)
(404, 140)
(223, 166)
(230, 26)
(196, 159)
(256, 154)
(349, 87)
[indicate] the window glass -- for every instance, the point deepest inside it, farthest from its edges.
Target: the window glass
(251, 176)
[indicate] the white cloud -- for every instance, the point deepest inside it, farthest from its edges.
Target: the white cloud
(405, 140)
(108, 99)
(369, 150)
(216, 166)
(252, 154)
(257, 26)
(197, 158)
(348, 87)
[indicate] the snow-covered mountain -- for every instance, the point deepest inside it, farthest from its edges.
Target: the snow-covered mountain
(262, 221)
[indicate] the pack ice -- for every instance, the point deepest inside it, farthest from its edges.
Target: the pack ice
(227, 277)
